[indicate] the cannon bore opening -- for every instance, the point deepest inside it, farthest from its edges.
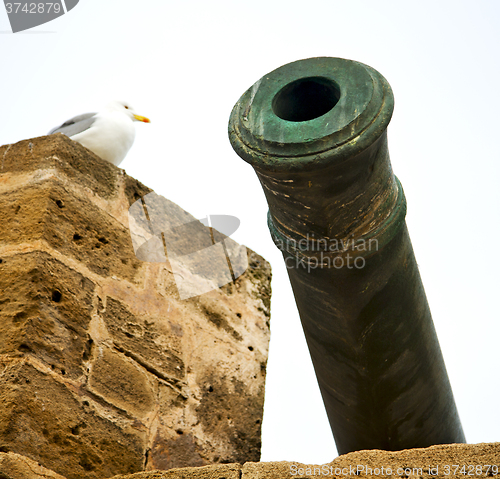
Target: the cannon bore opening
(306, 99)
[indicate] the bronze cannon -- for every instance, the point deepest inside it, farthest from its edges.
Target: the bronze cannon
(315, 132)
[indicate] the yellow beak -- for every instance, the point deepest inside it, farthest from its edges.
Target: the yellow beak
(142, 118)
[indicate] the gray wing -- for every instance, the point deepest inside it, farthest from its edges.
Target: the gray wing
(75, 125)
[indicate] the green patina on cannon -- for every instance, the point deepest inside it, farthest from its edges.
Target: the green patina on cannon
(315, 133)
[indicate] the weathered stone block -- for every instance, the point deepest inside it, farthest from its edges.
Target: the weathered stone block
(141, 338)
(75, 227)
(223, 471)
(41, 418)
(226, 411)
(122, 382)
(15, 466)
(78, 164)
(45, 310)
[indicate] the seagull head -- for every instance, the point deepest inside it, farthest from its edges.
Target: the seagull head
(125, 108)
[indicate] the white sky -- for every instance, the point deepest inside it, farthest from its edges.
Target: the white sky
(185, 64)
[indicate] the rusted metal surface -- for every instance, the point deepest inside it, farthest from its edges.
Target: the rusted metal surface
(315, 133)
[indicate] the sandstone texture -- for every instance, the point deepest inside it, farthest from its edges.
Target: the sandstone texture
(104, 369)
(444, 461)
(15, 466)
(422, 463)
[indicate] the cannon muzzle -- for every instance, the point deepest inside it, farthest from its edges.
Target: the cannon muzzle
(315, 131)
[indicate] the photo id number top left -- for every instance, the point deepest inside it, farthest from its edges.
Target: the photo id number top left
(24, 15)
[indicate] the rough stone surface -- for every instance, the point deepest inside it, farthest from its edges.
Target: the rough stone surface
(73, 227)
(103, 368)
(446, 461)
(410, 463)
(15, 466)
(425, 463)
(60, 425)
(222, 471)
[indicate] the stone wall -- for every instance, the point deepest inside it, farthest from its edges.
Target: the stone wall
(425, 463)
(103, 369)
(447, 462)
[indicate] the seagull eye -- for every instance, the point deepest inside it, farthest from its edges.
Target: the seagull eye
(126, 107)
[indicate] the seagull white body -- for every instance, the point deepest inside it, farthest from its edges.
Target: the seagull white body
(109, 133)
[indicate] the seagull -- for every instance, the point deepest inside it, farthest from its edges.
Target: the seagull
(108, 133)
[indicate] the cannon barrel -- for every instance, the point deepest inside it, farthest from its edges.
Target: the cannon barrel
(315, 132)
